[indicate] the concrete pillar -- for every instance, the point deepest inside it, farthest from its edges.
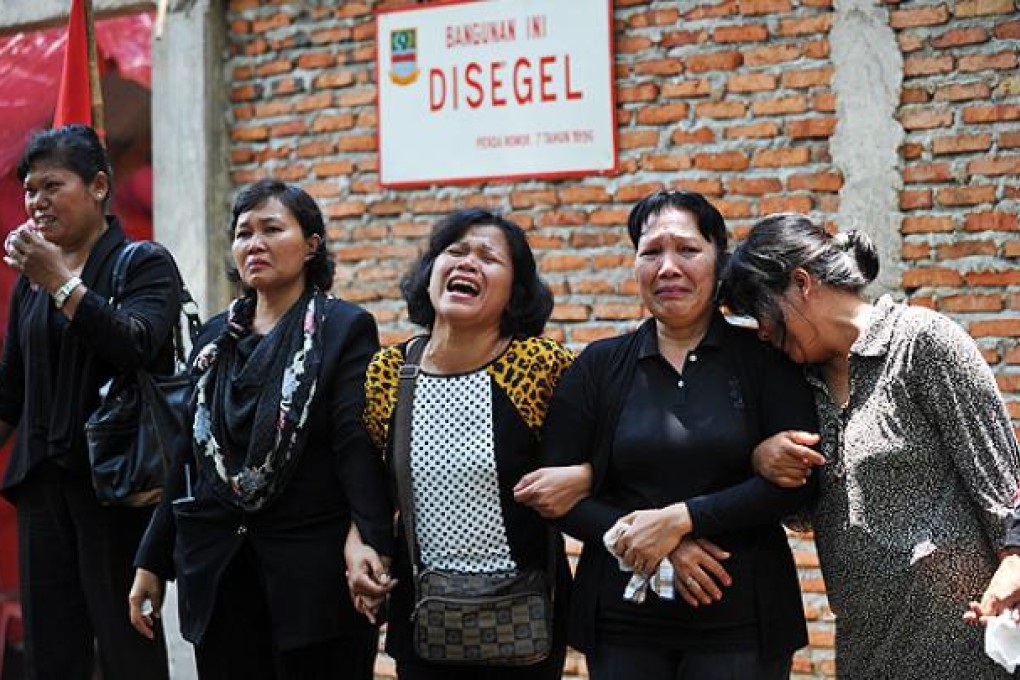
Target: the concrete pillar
(191, 187)
(868, 76)
(189, 147)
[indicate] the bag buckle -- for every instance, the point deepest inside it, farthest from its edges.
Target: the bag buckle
(408, 371)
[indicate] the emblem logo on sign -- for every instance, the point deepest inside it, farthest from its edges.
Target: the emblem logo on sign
(404, 56)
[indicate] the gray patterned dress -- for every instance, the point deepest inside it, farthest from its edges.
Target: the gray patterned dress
(922, 468)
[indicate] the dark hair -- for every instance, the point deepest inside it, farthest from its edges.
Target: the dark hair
(759, 270)
(710, 222)
(531, 301)
(74, 147)
(319, 269)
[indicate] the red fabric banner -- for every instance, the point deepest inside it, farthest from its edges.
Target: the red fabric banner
(74, 101)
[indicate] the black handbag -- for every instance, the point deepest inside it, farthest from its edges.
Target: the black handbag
(141, 418)
(496, 619)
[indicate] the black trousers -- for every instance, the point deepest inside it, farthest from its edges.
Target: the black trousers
(239, 640)
(616, 662)
(75, 558)
(414, 668)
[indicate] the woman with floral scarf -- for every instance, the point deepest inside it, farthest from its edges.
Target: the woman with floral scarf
(255, 516)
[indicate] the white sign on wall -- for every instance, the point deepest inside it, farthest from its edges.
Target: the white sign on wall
(470, 91)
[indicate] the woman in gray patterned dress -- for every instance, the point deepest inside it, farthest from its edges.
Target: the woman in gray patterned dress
(919, 465)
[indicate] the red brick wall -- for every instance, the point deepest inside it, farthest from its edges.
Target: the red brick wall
(729, 98)
(961, 164)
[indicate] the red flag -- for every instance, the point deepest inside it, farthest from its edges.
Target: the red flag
(74, 101)
(80, 99)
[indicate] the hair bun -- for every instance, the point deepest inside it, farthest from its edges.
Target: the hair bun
(863, 250)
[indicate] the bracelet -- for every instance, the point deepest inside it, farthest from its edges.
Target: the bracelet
(64, 292)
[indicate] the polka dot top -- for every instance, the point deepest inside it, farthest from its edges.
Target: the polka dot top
(453, 471)
(472, 437)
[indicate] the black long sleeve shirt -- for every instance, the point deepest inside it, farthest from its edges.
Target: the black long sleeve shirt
(655, 437)
(52, 367)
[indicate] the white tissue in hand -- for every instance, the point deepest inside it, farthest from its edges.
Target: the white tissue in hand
(1002, 640)
(660, 581)
(609, 540)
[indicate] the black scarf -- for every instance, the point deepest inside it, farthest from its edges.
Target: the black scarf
(254, 398)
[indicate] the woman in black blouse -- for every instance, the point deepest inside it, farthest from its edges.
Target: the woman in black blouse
(668, 417)
(64, 340)
(256, 513)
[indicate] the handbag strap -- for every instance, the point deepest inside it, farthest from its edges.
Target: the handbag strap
(402, 445)
(188, 306)
(408, 375)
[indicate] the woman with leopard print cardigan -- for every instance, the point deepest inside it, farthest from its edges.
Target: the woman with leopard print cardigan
(481, 397)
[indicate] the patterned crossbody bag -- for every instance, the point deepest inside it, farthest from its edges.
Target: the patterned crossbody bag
(498, 619)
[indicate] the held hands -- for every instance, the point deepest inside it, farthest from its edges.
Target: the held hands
(786, 459)
(651, 535)
(1003, 592)
(39, 260)
(553, 491)
(145, 601)
(697, 565)
(368, 575)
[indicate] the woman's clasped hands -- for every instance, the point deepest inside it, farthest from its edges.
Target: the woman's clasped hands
(698, 571)
(368, 576)
(650, 536)
(28, 252)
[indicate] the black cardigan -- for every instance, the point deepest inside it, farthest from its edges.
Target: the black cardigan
(52, 368)
(577, 433)
(299, 537)
(528, 536)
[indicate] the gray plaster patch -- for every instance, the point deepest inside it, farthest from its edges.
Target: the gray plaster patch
(867, 80)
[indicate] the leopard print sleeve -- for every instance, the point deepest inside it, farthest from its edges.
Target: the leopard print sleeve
(528, 372)
(381, 384)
